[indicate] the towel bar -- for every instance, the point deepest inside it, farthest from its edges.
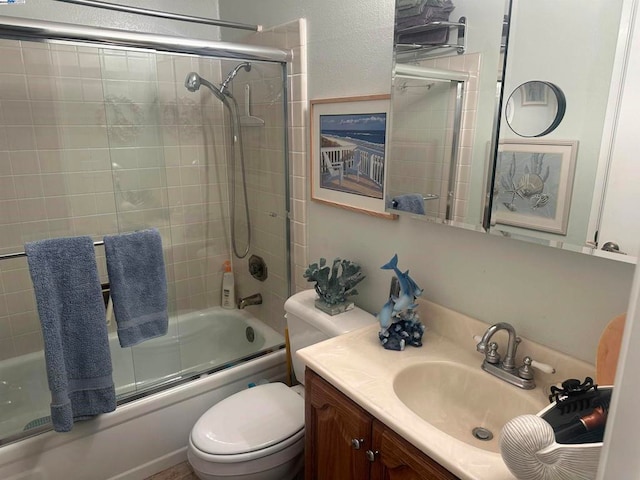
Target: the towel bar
(7, 256)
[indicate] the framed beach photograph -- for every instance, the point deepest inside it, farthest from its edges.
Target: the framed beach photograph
(349, 151)
(534, 181)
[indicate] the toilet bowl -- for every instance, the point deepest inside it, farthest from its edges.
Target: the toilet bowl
(258, 433)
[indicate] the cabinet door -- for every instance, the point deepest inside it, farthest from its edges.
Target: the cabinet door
(333, 422)
(397, 459)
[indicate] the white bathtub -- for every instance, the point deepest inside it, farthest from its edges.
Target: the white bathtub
(146, 435)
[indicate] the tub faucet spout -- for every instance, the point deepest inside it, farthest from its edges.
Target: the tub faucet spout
(255, 299)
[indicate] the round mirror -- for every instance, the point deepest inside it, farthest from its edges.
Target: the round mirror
(535, 109)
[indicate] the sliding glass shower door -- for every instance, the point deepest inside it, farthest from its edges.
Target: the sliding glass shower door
(98, 141)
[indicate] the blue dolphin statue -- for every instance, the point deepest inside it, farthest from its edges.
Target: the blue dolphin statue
(408, 288)
(385, 316)
(417, 291)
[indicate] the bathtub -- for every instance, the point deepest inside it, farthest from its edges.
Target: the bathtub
(205, 357)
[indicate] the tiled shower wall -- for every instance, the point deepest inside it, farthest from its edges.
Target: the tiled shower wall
(265, 170)
(98, 141)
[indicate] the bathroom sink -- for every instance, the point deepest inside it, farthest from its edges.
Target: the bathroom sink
(464, 402)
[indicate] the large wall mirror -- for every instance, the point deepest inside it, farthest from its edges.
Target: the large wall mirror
(516, 147)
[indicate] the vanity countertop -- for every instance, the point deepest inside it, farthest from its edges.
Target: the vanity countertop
(357, 365)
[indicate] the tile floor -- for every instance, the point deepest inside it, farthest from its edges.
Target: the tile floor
(182, 471)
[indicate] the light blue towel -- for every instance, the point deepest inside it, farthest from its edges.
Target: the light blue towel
(138, 285)
(72, 314)
(409, 202)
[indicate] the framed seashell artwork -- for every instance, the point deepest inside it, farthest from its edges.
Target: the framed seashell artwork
(533, 184)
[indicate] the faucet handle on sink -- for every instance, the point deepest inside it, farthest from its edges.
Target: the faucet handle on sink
(526, 372)
(546, 368)
(492, 356)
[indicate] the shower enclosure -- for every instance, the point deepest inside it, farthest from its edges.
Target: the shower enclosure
(99, 134)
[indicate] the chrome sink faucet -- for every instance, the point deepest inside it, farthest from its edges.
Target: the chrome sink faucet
(506, 369)
(509, 362)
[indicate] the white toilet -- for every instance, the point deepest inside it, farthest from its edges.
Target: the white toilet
(258, 433)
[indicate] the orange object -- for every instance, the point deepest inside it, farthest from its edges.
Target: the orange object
(228, 287)
(609, 351)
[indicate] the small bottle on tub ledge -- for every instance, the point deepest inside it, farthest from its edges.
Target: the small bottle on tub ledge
(228, 287)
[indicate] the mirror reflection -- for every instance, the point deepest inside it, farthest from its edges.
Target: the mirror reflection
(569, 57)
(559, 85)
(443, 107)
(427, 108)
(535, 109)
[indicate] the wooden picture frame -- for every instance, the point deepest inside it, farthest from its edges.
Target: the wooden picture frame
(348, 151)
(534, 183)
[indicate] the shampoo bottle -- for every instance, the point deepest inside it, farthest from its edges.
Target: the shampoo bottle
(228, 287)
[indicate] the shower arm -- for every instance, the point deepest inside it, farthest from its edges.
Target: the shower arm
(225, 84)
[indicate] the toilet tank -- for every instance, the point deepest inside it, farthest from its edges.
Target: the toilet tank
(308, 325)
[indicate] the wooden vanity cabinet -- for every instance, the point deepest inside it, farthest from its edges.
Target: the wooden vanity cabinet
(344, 442)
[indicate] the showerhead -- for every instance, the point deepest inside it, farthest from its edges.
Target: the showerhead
(194, 81)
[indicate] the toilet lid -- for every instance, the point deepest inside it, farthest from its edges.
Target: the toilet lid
(250, 420)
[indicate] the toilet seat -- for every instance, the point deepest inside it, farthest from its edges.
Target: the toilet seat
(250, 424)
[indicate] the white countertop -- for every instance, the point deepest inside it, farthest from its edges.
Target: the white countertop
(357, 365)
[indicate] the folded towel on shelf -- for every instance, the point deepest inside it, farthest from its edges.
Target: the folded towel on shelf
(409, 202)
(435, 37)
(138, 285)
(72, 314)
(411, 8)
(402, 4)
(406, 4)
(425, 15)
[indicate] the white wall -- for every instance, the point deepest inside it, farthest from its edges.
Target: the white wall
(561, 299)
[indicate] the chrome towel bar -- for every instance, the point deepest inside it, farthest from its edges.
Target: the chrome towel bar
(7, 256)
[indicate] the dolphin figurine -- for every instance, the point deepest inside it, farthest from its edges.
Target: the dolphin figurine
(408, 288)
(385, 316)
(417, 291)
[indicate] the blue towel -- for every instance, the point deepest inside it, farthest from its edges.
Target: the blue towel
(72, 314)
(410, 202)
(138, 285)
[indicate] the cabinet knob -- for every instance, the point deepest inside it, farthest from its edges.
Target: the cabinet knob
(371, 455)
(357, 443)
(612, 247)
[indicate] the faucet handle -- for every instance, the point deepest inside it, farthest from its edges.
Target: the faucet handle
(526, 372)
(546, 368)
(492, 356)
